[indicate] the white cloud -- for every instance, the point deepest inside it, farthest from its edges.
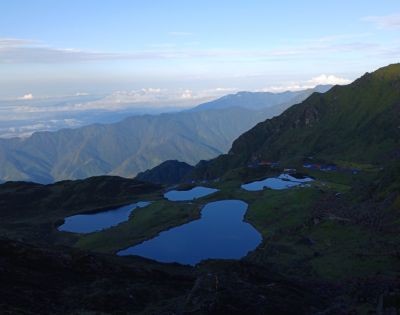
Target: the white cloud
(390, 22)
(322, 79)
(187, 94)
(328, 79)
(28, 96)
(81, 94)
(27, 128)
(225, 90)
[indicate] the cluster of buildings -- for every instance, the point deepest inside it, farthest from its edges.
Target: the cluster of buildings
(257, 162)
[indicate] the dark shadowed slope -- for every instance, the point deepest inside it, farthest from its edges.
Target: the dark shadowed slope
(67, 281)
(167, 173)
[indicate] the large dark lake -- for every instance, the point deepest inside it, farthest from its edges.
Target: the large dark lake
(220, 233)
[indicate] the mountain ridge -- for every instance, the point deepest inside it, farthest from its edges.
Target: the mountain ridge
(125, 148)
(258, 100)
(167, 173)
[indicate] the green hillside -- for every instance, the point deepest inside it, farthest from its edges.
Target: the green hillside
(357, 123)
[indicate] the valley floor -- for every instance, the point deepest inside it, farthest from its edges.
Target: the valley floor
(326, 249)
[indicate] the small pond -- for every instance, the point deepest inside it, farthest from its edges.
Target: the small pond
(283, 181)
(220, 233)
(185, 195)
(92, 222)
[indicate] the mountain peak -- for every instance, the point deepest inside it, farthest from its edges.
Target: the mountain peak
(167, 173)
(388, 73)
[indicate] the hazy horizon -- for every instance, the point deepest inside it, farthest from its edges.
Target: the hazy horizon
(25, 116)
(77, 63)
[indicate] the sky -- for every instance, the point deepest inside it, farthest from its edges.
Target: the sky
(182, 50)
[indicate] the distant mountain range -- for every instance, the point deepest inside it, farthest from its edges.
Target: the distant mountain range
(140, 142)
(261, 100)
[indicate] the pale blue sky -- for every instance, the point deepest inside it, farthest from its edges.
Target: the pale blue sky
(63, 47)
